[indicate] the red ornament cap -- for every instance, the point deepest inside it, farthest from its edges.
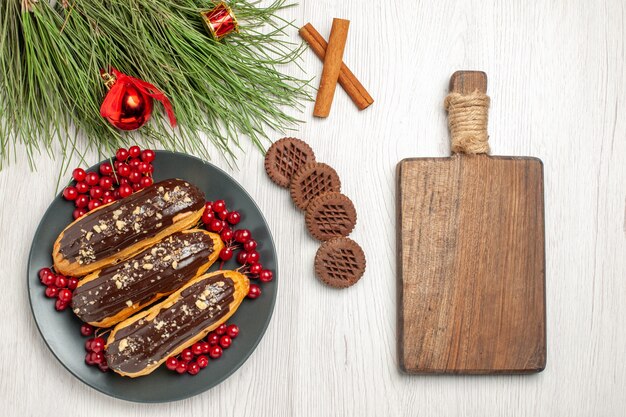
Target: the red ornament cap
(128, 104)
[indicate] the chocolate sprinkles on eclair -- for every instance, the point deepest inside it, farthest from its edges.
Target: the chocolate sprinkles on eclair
(138, 345)
(118, 230)
(108, 296)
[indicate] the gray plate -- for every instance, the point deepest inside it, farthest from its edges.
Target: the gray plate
(61, 330)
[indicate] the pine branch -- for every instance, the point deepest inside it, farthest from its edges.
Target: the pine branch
(50, 85)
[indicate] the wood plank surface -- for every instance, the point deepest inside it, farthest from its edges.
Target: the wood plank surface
(558, 83)
(471, 265)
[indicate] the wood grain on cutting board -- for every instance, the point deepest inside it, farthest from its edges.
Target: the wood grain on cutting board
(472, 264)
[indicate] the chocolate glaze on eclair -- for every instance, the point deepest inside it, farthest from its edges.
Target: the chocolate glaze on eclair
(114, 293)
(120, 229)
(138, 345)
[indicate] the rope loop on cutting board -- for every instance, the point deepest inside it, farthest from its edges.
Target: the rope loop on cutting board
(468, 115)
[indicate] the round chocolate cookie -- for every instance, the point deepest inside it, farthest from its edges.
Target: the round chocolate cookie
(285, 157)
(313, 180)
(330, 215)
(340, 262)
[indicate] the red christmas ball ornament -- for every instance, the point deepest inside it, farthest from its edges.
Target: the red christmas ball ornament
(128, 104)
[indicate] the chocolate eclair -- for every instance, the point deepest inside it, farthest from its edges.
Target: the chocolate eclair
(110, 295)
(116, 231)
(138, 345)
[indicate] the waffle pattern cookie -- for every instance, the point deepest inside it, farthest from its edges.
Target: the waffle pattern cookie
(330, 215)
(340, 262)
(285, 157)
(311, 181)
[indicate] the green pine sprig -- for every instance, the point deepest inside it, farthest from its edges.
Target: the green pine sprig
(51, 90)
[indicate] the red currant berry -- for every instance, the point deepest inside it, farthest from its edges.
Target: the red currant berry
(81, 201)
(92, 179)
(186, 355)
(106, 183)
(207, 217)
(216, 352)
(44, 272)
(136, 187)
(47, 278)
(143, 167)
(216, 225)
(94, 204)
(256, 268)
(72, 283)
(96, 192)
(88, 343)
(225, 341)
(242, 257)
(97, 357)
(208, 206)
(148, 155)
(106, 168)
(60, 281)
(82, 187)
(227, 235)
(123, 181)
(86, 329)
(124, 170)
(242, 235)
(116, 194)
(171, 363)
(79, 212)
(60, 305)
(205, 347)
(226, 254)
(145, 182)
(134, 177)
(150, 169)
(65, 295)
(254, 291)
(134, 163)
(103, 366)
(250, 245)
(212, 339)
(108, 199)
(88, 360)
(232, 331)
(97, 344)
(223, 214)
(79, 174)
(134, 151)
(219, 205)
(52, 291)
(253, 257)
(181, 368)
(196, 349)
(193, 368)
(202, 361)
(125, 190)
(221, 330)
(233, 217)
(107, 193)
(70, 193)
(121, 154)
(266, 275)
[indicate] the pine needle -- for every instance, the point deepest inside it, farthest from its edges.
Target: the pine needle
(50, 86)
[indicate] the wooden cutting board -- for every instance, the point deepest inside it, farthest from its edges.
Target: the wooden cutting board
(471, 261)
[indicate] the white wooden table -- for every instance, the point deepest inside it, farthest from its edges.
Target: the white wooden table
(558, 85)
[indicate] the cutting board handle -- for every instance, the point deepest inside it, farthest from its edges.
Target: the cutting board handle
(468, 112)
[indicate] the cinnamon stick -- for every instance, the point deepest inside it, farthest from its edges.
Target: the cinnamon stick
(332, 66)
(348, 81)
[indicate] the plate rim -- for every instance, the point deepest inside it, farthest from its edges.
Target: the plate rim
(237, 365)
